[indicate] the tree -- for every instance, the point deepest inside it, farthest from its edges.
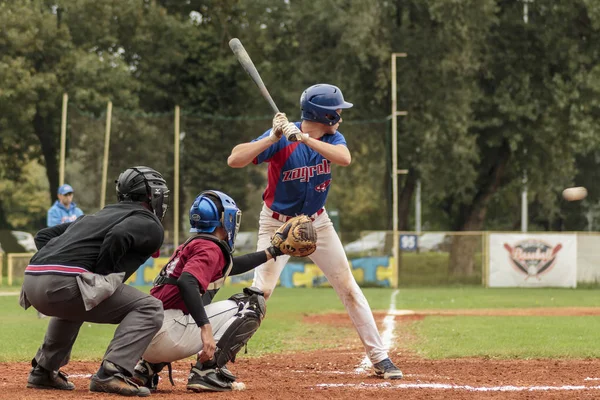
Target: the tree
(40, 61)
(534, 116)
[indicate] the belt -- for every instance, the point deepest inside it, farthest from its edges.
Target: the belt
(285, 218)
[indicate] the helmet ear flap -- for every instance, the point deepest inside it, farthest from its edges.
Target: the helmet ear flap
(213, 209)
(205, 215)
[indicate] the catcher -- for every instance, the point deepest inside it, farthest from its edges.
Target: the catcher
(189, 281)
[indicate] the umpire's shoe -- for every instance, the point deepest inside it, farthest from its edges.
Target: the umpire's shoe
(116, 382)
(210, 379)
(387, 369)
(40, 378)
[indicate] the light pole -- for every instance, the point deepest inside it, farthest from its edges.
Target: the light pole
(176, 143)
(106, 152)
(418, 207)
(395, 171)
(524, 203)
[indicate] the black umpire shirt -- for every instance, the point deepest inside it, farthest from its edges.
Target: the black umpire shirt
(118, 238)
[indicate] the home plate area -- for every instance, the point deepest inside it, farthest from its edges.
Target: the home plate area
(343, 373)
(331, 374)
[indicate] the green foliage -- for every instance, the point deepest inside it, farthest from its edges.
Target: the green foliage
(26, 199)
(489, 98)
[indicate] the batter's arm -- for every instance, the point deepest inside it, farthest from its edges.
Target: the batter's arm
(244, 153)
(336, 153)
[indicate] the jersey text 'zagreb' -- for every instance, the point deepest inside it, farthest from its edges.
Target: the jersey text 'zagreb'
(298, 176)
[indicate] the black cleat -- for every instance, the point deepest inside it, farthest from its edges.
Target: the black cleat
(117, 383)
(209, 379)
(40, 378)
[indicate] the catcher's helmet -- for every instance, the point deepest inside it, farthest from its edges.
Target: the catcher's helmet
(212, 209)
(320, 102)
(145, 185)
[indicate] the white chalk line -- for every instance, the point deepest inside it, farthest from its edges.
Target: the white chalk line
(79, 375)
(444, 386)
(388, 333)
(439, 386)
(416, 376)
(90, 375)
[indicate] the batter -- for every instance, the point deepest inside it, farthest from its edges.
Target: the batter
(300, 155)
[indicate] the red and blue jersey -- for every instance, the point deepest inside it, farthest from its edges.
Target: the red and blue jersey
(298, 176)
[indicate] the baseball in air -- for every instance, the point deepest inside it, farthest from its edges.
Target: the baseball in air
(575, 193)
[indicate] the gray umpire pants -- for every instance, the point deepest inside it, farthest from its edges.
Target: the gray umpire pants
(138, 315)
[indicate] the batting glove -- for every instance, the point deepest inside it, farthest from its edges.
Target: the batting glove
(292, 133)
(279, 121)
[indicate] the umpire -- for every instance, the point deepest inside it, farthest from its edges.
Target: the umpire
(77, 276)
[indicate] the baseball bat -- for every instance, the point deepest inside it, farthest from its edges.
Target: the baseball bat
(242, 55)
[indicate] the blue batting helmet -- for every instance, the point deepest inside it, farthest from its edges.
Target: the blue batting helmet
(320, 102)
(213, 209)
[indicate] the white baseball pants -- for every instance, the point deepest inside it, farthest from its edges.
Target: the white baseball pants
(331, 258)
(179, 336)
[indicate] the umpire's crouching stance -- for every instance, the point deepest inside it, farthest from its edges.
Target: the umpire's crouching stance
(77, 276)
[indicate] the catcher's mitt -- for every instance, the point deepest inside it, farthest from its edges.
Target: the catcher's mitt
(297, 237)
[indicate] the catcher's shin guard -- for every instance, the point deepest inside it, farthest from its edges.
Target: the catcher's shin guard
(241, 327)
(146, 374)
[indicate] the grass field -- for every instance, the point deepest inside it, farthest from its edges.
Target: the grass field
(284, 329)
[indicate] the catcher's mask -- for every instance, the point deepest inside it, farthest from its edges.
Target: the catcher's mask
(320, 103)
(145, 185)
(212, 209)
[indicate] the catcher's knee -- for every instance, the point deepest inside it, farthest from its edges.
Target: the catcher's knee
(252, 310)
(252, 299)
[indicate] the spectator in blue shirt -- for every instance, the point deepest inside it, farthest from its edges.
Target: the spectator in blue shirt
(63, 210)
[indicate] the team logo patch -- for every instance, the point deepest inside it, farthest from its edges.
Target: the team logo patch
(532, 257)
(195, 217)
(323, 186)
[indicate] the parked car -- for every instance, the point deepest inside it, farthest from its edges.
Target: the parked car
(25, 239)
(435, 242)
(245, 242)
(379, 242)
(370, 243)
(17, 241)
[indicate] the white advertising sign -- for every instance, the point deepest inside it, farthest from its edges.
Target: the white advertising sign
(532, 260)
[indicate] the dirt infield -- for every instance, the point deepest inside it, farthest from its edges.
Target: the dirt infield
(337, 374)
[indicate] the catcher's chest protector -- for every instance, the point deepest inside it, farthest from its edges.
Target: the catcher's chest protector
(164, 277)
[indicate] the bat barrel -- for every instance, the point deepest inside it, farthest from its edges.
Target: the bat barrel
(242, 55)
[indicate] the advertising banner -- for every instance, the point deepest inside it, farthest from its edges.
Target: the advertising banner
(532, 260)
